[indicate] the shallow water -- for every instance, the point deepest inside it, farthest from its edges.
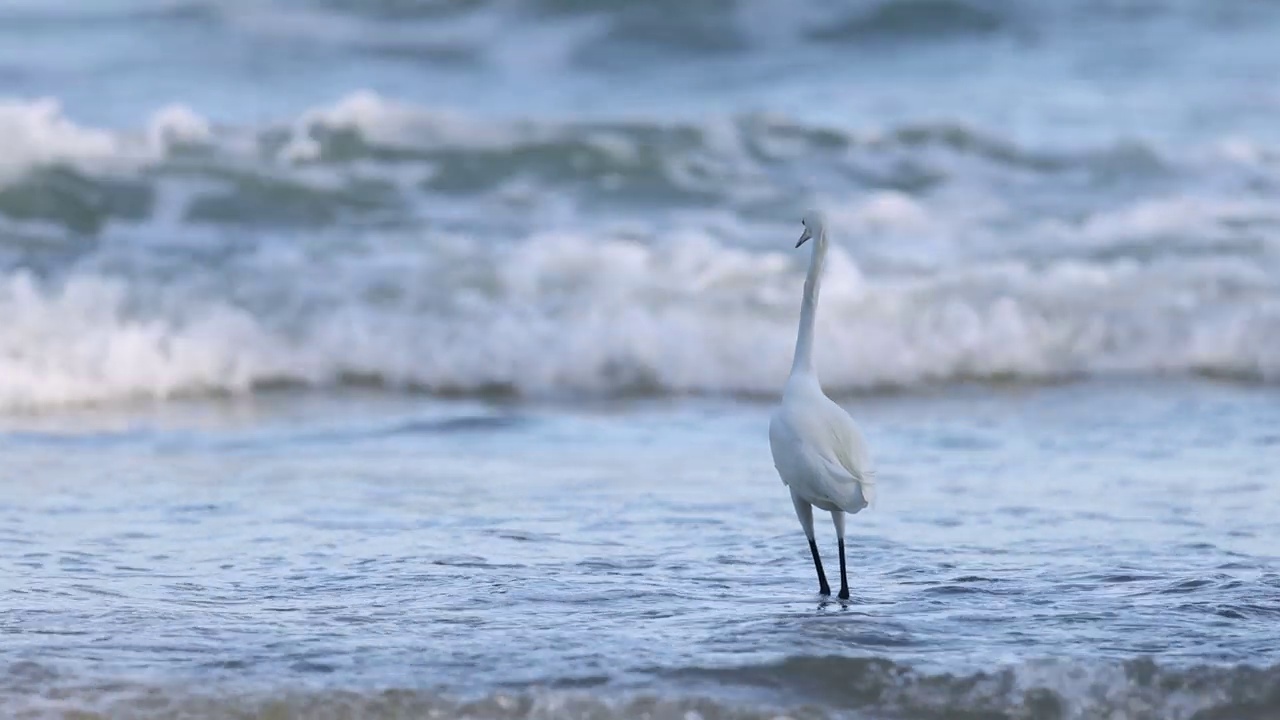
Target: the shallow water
(1046, 552)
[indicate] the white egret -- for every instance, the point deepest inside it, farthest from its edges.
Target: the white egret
(817, 448)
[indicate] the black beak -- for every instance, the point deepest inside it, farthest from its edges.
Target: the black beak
(803, 237)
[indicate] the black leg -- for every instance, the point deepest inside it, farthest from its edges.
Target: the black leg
(823, 587)
(844, 576)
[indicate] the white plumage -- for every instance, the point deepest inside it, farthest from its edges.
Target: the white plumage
(817, 448)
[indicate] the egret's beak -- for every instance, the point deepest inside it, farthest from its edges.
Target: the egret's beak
(805, 236)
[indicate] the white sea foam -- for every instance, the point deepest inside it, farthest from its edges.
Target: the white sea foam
(36, 132)
(567, 314)
(177, 124)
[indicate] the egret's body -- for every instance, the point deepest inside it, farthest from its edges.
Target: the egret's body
(817, 448)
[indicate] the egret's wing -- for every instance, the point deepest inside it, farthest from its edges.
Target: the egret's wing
(783, 444)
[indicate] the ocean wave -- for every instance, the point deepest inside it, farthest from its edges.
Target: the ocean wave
(596, 34)
(1048, 689)
(370, 159)
(897, 19)
(564, 314)
(817, 687)
(377, 243)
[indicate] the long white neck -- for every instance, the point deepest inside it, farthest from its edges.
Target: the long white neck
(803, 362)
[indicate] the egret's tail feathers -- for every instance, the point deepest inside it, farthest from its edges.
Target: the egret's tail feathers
(855, 488)
(867, 484)
(869, 490)
(857, 495)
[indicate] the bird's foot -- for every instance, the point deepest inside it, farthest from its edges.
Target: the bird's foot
(844, 593)
(824, 589)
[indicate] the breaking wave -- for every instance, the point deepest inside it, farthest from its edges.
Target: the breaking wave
(381, 244)
(567, 314)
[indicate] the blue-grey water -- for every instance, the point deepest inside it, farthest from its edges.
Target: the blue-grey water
(414, 359)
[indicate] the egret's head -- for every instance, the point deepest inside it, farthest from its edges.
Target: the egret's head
(815, 224)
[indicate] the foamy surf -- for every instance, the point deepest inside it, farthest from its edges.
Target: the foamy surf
(560, 315)
(376, 242)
